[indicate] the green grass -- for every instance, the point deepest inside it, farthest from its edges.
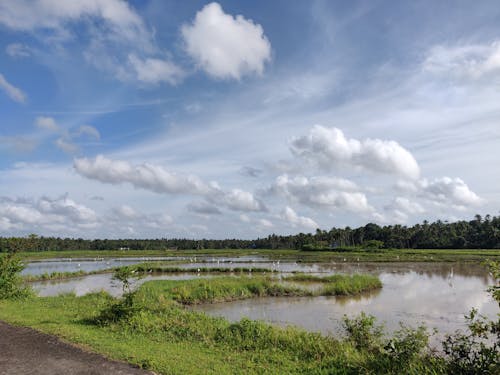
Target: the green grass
(229, 288)
(339, 285)
(152, 330)
(159, 268)
(62, 275)
(144, 268)
(383, 255)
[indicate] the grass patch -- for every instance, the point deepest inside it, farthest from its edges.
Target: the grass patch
(339, 285)
(381, 255)
(155, 268)
(62, 275)
(225, 289)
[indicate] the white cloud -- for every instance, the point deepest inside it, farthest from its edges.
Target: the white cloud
(446, 190)
(226, 46)
(118, 41)
(18, 50)
(264, 223)
(328, 147)
(155, 71)
(66, 145)
(157, 179)
(203, 208)
(405, 205)
(26, 15)
(44, 213)
(244, 218)
(145, 176)
(239, 200)
(47, 123)
(126, 212)
(322, 192)
(464, 61)
(89, 131)
(290, 216)
(12, 91)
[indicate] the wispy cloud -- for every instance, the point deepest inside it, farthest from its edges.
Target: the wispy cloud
(12, 91)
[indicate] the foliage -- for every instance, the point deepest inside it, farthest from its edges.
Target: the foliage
(10, 282)
(479, 233)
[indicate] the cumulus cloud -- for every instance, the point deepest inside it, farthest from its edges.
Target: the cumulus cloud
(290, 216)
(226, 46)
(406, 205)
(157, 179)
(18, 50)
(328, 147)
(155, 71)
(464, 61)
(12, 91)
(47, 123)
(451, 191)
(238, 200)
(146, 176)
(401, 208)
(44, 213)
(322, 192)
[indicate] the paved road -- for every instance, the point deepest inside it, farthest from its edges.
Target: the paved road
(25, 351)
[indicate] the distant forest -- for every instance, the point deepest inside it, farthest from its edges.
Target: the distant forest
(480, 233)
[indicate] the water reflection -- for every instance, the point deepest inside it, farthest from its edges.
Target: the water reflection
(413, 297)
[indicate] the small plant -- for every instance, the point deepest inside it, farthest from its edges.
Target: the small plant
(10, 282)
(363, 332)
(127, 306)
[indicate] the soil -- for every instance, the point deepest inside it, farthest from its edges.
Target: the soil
(26, 351)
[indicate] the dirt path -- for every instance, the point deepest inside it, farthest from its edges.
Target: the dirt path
(26, 351)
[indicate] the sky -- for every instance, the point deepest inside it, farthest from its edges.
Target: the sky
(239, 119)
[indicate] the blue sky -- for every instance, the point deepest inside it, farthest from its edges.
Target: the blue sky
(242, 119)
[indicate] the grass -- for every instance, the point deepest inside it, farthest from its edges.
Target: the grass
(61, 275)
(159, 268)
(145, 268)
(340, 285)
(383, 255)
(151, 329)
(225, 289)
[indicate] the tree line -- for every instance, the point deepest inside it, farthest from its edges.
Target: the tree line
(478, 233)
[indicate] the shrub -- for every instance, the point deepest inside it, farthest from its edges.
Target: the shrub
(10, 282)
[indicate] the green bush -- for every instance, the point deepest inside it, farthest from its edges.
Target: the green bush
(11, 285)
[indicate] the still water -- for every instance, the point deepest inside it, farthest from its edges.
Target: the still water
(436, 294)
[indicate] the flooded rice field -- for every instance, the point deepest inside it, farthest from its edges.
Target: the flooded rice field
(436, 294)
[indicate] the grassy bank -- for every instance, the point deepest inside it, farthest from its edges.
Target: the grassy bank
(147, 268)
(382, 255)
(228, 289)
(152, 329)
